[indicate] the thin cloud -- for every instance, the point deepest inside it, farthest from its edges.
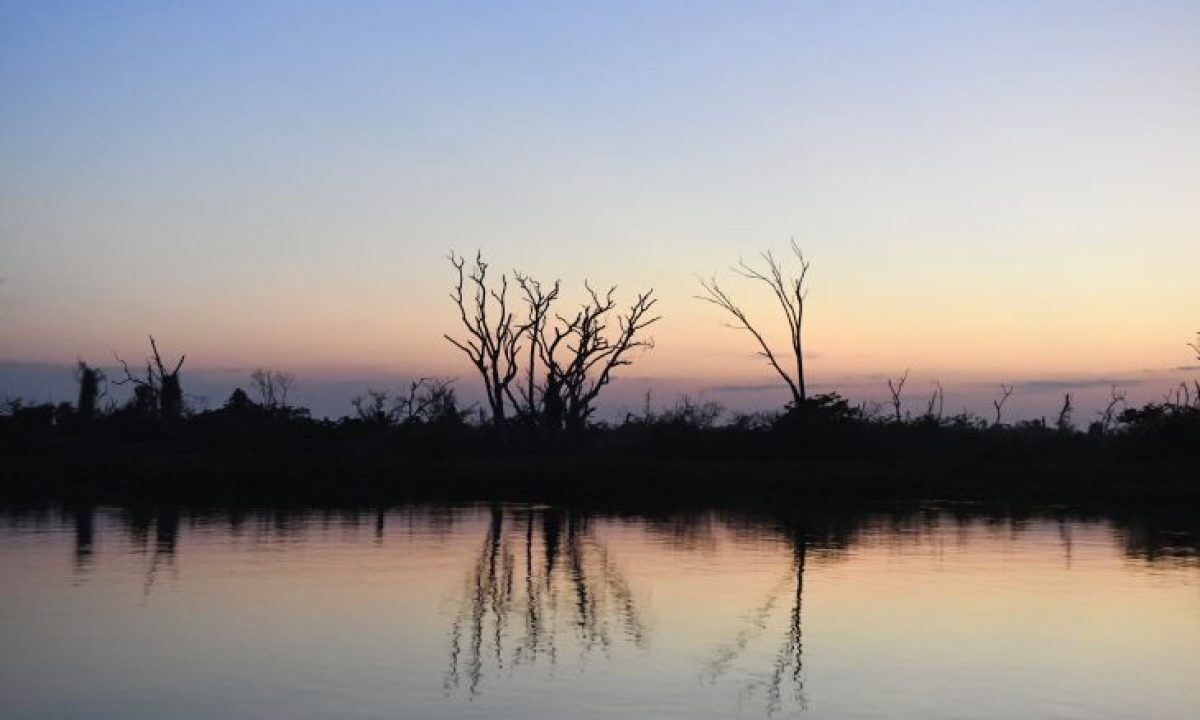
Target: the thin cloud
(1060, 385)
(759, 387)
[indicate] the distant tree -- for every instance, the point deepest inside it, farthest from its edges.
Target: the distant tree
(1196, 346)
(239, 402)
(895, 389)
(374, 407)
(790, 293)
(89, 379)
(427, 400)
(273, 387)
(157, 393)
(568, 358)
(1063, 423)
(935, 408)
(1109, 414)
(1006, 392)
(537, 405)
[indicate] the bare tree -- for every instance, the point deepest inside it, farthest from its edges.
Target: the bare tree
(580, 355)
(1109, 414)
(159, 392)
(427, 400)
(375, 407)
(1182, 396)
(935, 407)
(538, 303)
(1063, 423)
(1196, 346)
(1006, 392)
(790, 293)
(273, 386)
(568, 359)
(493, 339)
(895, 389)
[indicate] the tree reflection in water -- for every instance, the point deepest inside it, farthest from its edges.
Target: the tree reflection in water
(538, 570)
(84, 518)
(786, 672)
(543, 583)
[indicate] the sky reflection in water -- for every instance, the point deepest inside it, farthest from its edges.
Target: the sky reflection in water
(521, 611)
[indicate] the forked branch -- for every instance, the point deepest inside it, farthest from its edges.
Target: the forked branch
(790, 293)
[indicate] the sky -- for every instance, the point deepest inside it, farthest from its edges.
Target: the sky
(987, 191)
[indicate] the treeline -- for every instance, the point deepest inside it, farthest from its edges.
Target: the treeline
(542, 368)
(425, 422)
(825, 425)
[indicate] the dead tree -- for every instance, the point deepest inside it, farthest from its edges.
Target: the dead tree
(895, 390)
(538, 303)
(1196, 346)
(935, 408)
(159, 392)
(89, 379)
(790, 293)
(273, 387)
(427, 400)
(1109, 414)
(1063, 423)
(1006, 392)
(546, 367)
(580, 356)
(493, 338)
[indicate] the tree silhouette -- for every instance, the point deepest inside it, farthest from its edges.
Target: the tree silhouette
(580, 357)
(159, 392)
(273, 387)
(89, 389)
(1006, 392)
(537, 404)
(1063, 423)
(790, 293)
(1196, 346)
(935, 408)
(493, 336)
(427, 400)
(568, 359)
(895, 390)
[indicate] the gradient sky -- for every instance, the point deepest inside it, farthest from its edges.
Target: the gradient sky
(985, 190)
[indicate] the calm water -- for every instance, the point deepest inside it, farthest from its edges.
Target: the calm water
(515, 612)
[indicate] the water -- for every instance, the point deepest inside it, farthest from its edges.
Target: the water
(516, 612)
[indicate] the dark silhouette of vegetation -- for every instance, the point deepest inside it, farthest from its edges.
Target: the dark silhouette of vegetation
(426, 401)
(493, 339)
(790, 292)
(1063, 422)
(1006, 392)
(569, 359)
(273, 387)
(89, 379)
(158, 393)
(1109, 414)
(895, 390)
(935, 409)
(543, 371)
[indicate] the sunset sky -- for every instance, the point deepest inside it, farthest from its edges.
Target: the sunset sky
(1005, 191)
